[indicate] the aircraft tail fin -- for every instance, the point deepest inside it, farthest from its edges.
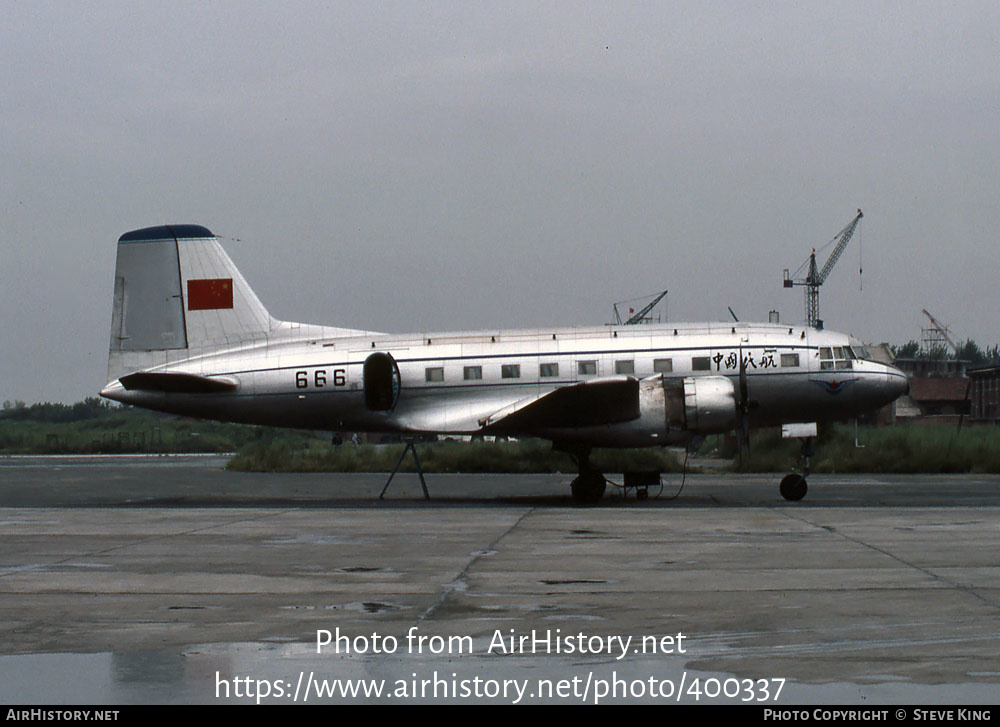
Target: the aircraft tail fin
(178, 294)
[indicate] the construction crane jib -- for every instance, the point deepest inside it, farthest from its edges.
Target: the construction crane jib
(815, 277)
(933, 336)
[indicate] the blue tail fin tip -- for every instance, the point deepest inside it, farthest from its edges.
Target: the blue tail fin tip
(166, 232)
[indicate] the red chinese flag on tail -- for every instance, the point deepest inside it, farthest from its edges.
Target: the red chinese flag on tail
(211, 294)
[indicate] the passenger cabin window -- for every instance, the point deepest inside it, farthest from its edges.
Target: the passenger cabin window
(701, 363)
(663, 365)
(510, 371)
(586, 368)
(548, 370)
(434, 373)
(789, 360)
(625, 367)
(473, 372)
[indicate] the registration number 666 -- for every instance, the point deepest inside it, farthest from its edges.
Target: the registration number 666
(319, 378)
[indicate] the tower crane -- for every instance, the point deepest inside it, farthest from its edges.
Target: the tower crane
(641, 316)
(815, 278)
(940, 330)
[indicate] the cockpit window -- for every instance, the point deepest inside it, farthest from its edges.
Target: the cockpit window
(825, 358)
(861, 352)
(842, 359)
(834, 358)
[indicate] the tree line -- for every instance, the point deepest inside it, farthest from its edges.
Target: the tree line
(92, 407)
(968, 351)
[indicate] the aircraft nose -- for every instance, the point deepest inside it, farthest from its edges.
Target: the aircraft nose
(882, 386)
(897, 382)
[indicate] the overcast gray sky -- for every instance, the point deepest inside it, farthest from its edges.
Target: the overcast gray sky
(440, 166)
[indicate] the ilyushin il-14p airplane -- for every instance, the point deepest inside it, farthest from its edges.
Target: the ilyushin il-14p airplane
(190, 337)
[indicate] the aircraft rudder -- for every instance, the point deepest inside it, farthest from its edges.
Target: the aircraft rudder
(177, 293)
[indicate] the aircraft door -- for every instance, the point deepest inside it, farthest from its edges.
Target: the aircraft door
(381, 380)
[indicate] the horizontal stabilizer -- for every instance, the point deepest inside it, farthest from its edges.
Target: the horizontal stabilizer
(590, 403)
(177, 383)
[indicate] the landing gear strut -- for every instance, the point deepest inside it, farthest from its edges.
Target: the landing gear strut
(793, 487)
(589, 487)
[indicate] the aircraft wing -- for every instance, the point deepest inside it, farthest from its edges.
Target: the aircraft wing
(589, 403)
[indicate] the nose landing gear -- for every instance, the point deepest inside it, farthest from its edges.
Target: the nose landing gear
(793, 486)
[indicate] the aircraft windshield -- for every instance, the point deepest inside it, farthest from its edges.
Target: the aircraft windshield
(834, 358)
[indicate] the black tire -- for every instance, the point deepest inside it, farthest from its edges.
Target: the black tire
(793, 487)
(589, 487)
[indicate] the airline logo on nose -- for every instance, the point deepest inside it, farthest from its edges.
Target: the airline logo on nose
(833, 387)
(210, 294)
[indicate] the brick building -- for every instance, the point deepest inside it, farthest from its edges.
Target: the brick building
(984, 393)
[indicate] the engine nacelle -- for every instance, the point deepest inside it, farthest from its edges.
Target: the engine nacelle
(670, 411)
(704, 404)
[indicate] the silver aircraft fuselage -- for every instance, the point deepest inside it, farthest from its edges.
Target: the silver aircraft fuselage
(457, 383)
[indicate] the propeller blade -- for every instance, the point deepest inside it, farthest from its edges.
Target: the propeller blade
(746, 433)
(744, 386)
(744, 404)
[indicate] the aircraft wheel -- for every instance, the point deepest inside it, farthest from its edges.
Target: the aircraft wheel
(589, 487)
(793, 487)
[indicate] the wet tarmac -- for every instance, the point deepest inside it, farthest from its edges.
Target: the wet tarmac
(168, 580)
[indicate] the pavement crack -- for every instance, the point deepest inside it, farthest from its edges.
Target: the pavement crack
(920, 569)
(458, 583)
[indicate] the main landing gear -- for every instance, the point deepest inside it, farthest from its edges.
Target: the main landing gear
(793, 486)
(589, 487)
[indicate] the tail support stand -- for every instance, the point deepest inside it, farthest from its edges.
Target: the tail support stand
(410, 447)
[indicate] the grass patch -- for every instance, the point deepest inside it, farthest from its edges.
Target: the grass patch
(530, 455)
(904, 449)
(95, 427)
